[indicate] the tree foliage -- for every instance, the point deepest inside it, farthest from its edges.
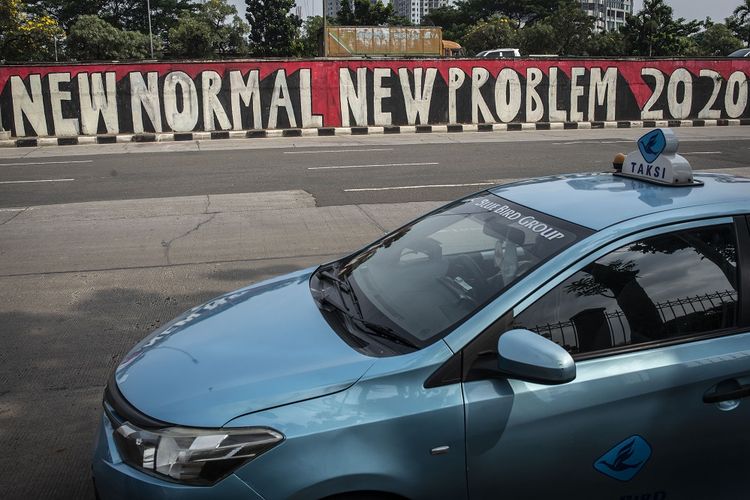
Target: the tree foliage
(129, 15)
(607, 44)
(717, 40)
(345, 16)
(367, 13)
(653, 32)
(739, 21)
(93, 39)
(572, 28)
(520, 12)
(214, 30)
(274, 31)
(454, 23)
(497, 32)
(27, 36)
(311, 41)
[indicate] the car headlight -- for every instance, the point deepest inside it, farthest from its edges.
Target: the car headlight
(189, 455)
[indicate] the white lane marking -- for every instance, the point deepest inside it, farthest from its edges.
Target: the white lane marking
(588, 142)
(700, 152)
(12, 209)
(40, 180)
(44, 163)
(425, 186)
(336, 167)
(335, 151)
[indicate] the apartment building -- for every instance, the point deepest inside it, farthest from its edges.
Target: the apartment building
(609, 15)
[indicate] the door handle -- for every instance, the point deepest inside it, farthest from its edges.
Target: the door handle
(728, 390)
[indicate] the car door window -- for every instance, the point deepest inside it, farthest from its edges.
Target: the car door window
(669, 286)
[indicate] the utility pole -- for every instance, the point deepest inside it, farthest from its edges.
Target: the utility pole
(150, 33)
(325, 31)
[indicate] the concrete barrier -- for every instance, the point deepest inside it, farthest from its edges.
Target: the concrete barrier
(247, 97)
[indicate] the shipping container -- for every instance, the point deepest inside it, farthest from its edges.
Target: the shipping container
(343, 41)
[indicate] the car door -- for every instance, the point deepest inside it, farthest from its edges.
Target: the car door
(662, 351)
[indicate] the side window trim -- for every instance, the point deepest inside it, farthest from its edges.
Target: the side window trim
(743, 264)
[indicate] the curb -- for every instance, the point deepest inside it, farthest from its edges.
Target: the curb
(333, 131)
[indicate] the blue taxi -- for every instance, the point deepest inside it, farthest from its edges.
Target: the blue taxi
(573, 336)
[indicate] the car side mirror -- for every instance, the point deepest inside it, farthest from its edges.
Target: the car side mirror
(526, 355)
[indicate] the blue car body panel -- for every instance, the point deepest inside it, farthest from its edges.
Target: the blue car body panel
(600, 200)
(264, 356)
(376, 435)
(222, 359)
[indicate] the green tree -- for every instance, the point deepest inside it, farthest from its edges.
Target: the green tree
(717, 40)
(65, 11)
(312, 37)
(26, 36)
(520, 12)
(537, 38)
(345, 17)
(453, 22)
(273, 30)
(367, 13)
(192, 37)
(124, 14)
(93, 39)
(606, 43)
(653, 32)
(209, 32)
(572, 28)
(494, 33)
(739, 21)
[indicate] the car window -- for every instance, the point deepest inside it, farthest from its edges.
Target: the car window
(427, 277)
(673, 285)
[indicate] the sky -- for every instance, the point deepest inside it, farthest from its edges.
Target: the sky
(698, 9)
(689, 9)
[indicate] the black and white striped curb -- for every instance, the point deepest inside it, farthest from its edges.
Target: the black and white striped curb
(334, 131)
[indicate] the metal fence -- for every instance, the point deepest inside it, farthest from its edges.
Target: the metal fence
(566, 333)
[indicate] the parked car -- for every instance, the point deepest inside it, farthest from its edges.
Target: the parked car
(571, 336)
(499, 54)
(740, 53)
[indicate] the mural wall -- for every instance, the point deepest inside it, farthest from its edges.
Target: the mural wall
(186, 97)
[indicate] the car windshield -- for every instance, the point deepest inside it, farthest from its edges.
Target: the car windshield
(739, 53)
(424, 279)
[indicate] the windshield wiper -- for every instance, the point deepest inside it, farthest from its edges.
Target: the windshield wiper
(369, 328)
(342, 285)
(328, 275)
(329, 305)
(384, 332)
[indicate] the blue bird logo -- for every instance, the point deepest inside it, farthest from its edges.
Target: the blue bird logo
(649, 147)
(652, 145)
(619, 463)
(624, 460)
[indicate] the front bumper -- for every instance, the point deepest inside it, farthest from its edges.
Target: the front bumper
(114, 479)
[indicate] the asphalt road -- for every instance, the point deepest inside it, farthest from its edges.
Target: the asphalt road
(91, 265)
(335, 171)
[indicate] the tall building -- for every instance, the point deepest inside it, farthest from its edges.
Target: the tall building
(332, 7)
(609, 15)
(416, 10)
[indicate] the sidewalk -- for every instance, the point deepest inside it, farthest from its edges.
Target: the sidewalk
(128, 234)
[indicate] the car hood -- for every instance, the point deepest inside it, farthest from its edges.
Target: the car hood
(259, 347)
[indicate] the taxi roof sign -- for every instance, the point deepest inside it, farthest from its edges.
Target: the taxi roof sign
(657, 161)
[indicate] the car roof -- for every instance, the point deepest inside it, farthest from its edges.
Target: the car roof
(599, 200)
